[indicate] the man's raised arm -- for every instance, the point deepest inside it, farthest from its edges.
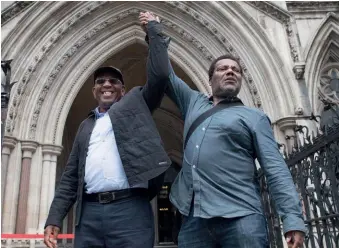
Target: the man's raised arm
(176, 89)
(157, 61)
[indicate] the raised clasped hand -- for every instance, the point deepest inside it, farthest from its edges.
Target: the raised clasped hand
(145, 17)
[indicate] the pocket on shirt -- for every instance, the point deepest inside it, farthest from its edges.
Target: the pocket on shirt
(228, 124)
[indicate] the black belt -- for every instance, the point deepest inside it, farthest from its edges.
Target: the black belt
(110, 196)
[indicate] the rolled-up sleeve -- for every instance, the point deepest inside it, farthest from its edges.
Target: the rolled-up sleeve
(279, 179)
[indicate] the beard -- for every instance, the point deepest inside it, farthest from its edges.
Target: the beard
(224, 92)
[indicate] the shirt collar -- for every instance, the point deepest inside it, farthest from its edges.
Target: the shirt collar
(228, 99)
(98, 114)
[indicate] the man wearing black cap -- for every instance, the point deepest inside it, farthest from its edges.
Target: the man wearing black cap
(117, 160)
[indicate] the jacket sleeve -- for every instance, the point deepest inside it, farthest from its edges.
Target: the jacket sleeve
(157, 66)
(176, 89)
(279, 179)
(66, 193)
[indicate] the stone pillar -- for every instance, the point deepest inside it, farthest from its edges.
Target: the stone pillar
(28, 148)
(52, 176)
(287, 126)
(33, 204)
(50, 153)
(9, 211)
(8, 144)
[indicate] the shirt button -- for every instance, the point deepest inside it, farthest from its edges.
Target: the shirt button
(193, 166)
(197, 146)
(203, 129)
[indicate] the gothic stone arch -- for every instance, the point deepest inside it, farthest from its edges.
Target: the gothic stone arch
(323, 45)
(56, 55)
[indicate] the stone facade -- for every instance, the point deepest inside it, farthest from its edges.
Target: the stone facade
(288, 51)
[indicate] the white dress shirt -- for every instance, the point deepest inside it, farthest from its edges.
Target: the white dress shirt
(104, 170)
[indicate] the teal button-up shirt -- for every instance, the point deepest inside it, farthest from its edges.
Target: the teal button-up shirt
(219, 162)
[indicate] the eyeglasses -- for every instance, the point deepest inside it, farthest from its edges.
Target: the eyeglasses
(110, 80)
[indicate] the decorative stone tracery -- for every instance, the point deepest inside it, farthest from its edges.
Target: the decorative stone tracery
(329, 84)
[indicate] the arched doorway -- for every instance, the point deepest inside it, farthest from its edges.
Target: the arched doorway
(132, 62)
(54, 59)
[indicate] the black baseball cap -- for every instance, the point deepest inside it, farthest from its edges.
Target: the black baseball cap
(109, 69)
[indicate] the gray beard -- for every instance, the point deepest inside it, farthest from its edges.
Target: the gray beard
(225, 93)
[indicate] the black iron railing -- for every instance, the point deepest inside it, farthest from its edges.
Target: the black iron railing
(314, 166)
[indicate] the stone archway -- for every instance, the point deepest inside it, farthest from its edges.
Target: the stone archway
(323, 46)
(54, 57)
(77, 35)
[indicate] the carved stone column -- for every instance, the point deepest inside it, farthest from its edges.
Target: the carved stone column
(8, 144)
(28, 148)
(9, 211)
(287, 126)
(50, 153)
(33, 204)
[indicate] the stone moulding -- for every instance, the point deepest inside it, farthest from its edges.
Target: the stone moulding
(45, 48)
(97, 28)
(223, 41)
(13, 10)
(134, 11)
(312, 4)
(186, 62)
(283, 17)
(122, 39)
(78, 16)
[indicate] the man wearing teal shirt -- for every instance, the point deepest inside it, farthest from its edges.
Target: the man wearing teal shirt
(217, 190)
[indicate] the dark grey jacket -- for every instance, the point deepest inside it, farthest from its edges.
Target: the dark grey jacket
(139, 143)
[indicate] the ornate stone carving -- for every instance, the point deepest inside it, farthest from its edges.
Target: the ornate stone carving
(45, 48)
(283, 17)
(114, 19)
(13, 10)
(87, 37)
(198, 18)
(299, 70)
(291, 41)
(316, 5)
(272, 10)
(298, 111)
(201, 80)
(329, 85)
(70, 52)
(190, 38)
(66, 26)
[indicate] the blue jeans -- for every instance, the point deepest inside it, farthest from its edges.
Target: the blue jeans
(241, 232)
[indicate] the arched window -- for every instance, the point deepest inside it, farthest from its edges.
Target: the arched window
(329, 95)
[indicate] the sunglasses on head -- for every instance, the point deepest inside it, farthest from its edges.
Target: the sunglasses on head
(110, 80)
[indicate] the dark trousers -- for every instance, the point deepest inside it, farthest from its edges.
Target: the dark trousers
(241, 232)
(126, 223)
